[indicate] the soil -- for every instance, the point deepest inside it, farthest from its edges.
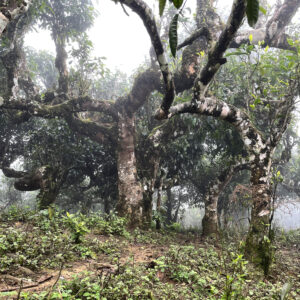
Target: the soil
(46, 279)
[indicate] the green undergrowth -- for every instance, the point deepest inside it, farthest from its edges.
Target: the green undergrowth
(185, 268)
(288, 238)
(47, 238)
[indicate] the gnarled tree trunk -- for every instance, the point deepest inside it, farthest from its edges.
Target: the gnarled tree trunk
(258, 244)
(210, 220)
(47, 179)
(130, 202)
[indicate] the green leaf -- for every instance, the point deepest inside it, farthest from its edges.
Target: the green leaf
(257, 101)
(177, 3)
(162, 4)
(249, 48)
(290, 42)
(251, 38)
(173, 38)
(263, 10)
(252, 11)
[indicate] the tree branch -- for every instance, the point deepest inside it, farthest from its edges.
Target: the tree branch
(273, 34)
(12, 173)
(80, 104)
(144, 84)
(197, 34)
(145, 13)
(215, 55)
(214, 107)
(281, 18)
(97, 132)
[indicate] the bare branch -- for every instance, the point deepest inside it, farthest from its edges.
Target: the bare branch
(197, 34)
(12, 173)
(214, 107)
(144, 84)
(145, 13)
(80, 104)
(99, 133)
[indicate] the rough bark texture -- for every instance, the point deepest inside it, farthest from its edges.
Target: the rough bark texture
(52, 180)
(147, 207)
(273, 32)
(61, 62)
(158, 208)
(30, 181)
(11, 10)
(258, 244)
(130, 202)
(260, 154)
(210, 224)
(46, 179)
(210, 219)
(215, 56)
(148, 163)
(3, 22)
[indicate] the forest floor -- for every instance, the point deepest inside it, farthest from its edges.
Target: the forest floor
(46, 256)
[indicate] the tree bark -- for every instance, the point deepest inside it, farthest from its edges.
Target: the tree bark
(210, 224)
(47, 179)
(11, 10)
(147, 207)
(107, 205)
(158, 208)
(130, 202)
(47, 196)
(169, 206)
(61, 62)
(210, 219)
(175, 217)
(258, 243)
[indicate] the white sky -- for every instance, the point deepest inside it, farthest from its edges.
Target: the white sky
(123, 40)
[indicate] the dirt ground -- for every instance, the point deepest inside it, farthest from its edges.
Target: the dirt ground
(28, 280)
